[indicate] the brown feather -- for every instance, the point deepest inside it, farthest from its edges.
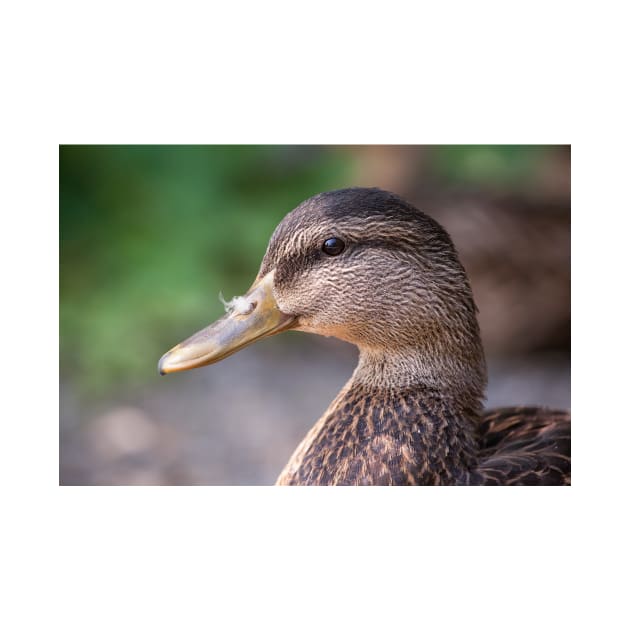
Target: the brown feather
(411, 414)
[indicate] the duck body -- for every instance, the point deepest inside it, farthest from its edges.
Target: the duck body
(365, 266)
(385, 437)
(414, 437)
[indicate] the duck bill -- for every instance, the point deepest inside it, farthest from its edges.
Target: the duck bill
(255, 316)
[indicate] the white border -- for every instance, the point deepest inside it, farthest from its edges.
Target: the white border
(328, 73)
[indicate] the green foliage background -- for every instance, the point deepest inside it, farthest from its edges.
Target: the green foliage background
(150, 234)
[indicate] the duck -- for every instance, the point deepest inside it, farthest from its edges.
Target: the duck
(367, 267)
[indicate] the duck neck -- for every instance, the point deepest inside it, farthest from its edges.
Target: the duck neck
(460, 383)
(441, 400)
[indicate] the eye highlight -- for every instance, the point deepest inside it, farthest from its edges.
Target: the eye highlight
(333, 246)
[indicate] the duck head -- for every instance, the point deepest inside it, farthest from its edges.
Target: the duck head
(365, 266)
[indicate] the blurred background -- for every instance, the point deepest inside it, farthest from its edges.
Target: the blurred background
(151, 234)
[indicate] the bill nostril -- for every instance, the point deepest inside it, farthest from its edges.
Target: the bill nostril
(238, 305)
(243, 306)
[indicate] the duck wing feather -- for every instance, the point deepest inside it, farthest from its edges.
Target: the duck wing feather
(524, 446)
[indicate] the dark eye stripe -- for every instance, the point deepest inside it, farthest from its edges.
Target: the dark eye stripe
(333, 246)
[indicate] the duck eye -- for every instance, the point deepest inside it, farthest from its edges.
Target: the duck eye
(333, 246)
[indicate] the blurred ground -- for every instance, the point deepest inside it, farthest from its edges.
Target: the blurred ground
(149, 235)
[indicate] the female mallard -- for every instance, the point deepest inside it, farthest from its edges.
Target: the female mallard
(367, 267)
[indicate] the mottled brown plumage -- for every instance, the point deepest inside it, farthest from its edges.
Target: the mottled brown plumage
(415, 437)
(412, 413)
